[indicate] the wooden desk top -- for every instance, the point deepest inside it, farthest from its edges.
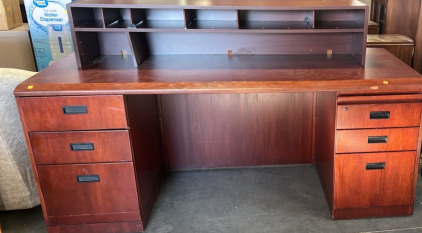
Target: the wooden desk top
(175, 74)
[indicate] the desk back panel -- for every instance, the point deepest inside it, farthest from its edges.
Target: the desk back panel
(226, 130)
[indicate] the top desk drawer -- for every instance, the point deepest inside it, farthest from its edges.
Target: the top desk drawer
(353, 116)
(73, 113)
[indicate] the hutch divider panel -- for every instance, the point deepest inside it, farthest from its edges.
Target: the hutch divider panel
(220, 30)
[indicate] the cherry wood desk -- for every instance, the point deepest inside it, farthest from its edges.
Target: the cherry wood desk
(100, 138)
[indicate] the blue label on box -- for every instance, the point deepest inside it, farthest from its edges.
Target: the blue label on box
(49, 28)
(40, 3)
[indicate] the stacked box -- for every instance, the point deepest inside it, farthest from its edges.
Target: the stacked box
(10, 14)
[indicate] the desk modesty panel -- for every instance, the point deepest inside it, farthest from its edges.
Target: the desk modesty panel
(111, 119)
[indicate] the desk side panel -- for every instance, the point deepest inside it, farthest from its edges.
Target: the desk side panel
(31, 156)
(325, 141)
(228, 130)
(145, 135)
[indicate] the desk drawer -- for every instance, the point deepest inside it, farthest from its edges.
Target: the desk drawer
(73, 113)
(97, 193)
(81, 146)
(352, 116)
(376, 140)
(374, 179)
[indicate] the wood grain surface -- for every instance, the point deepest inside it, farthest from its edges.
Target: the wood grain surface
(114, 198)
(46, 114)
(146, 140)
(325, 128)
(55, 148)
(397, 139)
(357, 187)
(380, 66)
(113, 227)
(357, 116)
(222, 130)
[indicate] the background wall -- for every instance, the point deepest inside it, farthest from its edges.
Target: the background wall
(367, 2)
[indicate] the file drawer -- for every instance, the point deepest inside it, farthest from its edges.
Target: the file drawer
(374, 179)
(74, 113)
(377, 140)
(353, 116)
(80, 146)
(94, 193)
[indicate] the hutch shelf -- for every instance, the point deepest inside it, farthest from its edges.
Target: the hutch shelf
(139, 30)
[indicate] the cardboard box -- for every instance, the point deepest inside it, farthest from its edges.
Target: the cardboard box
(16, 50)
(50, 32)
(10, 14)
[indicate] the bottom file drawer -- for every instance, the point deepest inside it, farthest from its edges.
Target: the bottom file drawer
(89, 193)
(373, 179)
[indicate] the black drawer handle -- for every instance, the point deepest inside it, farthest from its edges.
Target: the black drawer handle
(379, 115)
(87, 178)
(77, 109)
(375, 166)
(377, 139)
(81, 146)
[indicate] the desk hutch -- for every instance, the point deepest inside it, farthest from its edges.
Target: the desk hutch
(159, 85)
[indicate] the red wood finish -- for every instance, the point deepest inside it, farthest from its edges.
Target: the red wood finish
(99, 38)
(416, 168)
(285, 75)
(373, 97)
(209, 131)
(247, 105)
(31, 157)
(357, 187)
(397, 139)
(373, 212)
(114, 227)
(145, 133)
(113, 199)
(46, 114)
(351, 116)
(55, 147)
(324, 141)
(351, 190)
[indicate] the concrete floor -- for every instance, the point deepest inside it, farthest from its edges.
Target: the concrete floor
(246, 200)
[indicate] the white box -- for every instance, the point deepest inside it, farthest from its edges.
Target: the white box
(50, 32)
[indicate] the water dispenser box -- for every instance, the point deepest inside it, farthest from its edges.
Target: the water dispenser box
(50, 32)
(10, 14)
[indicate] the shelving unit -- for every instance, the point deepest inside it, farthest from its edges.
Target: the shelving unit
(276, 20)
(136, 32)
